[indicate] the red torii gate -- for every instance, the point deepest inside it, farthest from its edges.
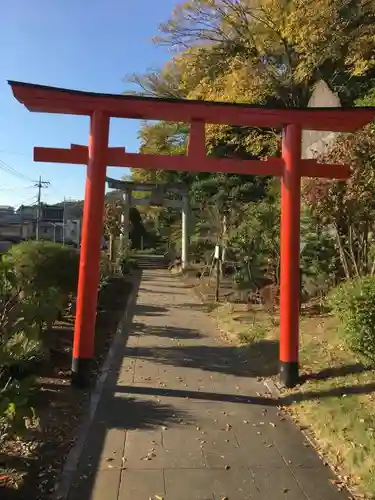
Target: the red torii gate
(97, 156)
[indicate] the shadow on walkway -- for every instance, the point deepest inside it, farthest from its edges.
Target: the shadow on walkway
(164, 331)
(257, 360)
(150, 310)
(198, 395)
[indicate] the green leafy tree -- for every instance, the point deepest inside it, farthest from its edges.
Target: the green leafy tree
(347, 208)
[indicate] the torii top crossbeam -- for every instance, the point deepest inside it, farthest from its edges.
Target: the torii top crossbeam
(45, 99)
(290, 167)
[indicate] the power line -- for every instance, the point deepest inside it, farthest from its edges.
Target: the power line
(57, 191)
(13, 189)
(14, 153)
(12, 171)
(28, 200)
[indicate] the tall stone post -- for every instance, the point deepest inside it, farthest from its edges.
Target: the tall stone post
(185, 236)
(124, 236)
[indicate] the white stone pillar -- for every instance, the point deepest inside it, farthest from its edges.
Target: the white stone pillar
(124, 236)
(185, 236)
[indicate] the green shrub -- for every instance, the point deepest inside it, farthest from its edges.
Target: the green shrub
(16, 413)
(106, 269)
(44, 309)
(40, 265)
(14, 314)
(126, 264)
(353, 303)
(19, 348)
(35, 301)
(19, 351)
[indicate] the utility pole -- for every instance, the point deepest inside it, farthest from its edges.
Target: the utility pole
(40, 184)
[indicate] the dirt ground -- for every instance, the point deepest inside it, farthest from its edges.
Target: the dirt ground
(29, 468)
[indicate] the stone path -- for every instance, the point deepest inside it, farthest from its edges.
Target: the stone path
(182, 417)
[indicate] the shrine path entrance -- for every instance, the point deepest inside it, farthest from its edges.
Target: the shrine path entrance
(183, 417)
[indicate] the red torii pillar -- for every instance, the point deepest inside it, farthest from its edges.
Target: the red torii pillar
(98, 156)
(290, 255)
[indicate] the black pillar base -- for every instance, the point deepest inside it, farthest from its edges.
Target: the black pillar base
(81, 373)
(289, 376)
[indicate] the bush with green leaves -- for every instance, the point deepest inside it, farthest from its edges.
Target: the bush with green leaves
(353, 303)
(127, 264)
(41, 265)
(124, 265)
(20, 347)
(16, 413)
(42, 310)
(16, 325)
(106, 269)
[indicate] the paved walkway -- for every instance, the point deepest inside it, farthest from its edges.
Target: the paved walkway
(181, 417)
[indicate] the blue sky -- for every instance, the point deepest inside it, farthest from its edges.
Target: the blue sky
(80, 44)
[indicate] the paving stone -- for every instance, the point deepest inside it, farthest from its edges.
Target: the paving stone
(316, 483)
(151, 450)
(200, 484)
(143, 449)
(141, 485)
(126, 372)
(293, 446)
(145, 370)
(183, 448)
(97, 486)
(188, 484)
(220, 448)
(113, 448)
(103, 449)
(277, 483)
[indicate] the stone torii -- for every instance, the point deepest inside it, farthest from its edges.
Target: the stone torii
(157, 198)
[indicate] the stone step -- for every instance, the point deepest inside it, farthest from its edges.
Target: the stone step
(152, 261)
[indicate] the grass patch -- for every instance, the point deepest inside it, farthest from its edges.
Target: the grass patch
(240, 324)
(335, 402)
